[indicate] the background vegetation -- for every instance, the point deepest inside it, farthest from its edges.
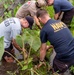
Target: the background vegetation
(29, 41)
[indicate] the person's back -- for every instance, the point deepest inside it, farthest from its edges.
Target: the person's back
(9, 29)
(62, 5)
(28, 8)
(60, 37)
(64, 8)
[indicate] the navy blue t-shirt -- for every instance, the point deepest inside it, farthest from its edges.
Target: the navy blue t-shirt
(57, 33)
(62, 5)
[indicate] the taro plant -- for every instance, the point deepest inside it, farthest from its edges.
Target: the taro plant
(33, 40)
(1, 47)
(29, 64)
(72, 69)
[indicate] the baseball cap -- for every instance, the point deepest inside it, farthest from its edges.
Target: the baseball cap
(30, 21)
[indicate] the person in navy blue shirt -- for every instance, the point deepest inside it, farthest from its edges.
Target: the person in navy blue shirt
(60, 37)
(62, 6)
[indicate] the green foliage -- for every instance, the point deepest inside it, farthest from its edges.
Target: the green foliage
(27, 64)
(9, 11)
(8, 14)
(15, 10)
(31, 37)
(72, 27)
(72, 1)
(19, 40)
(72, 69)
(1, 47)
(50, 11)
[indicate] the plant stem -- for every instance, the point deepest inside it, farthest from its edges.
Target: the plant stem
(34, 71)
(30, 49)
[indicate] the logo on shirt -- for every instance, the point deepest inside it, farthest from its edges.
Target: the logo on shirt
(9, 21)
(58, 26)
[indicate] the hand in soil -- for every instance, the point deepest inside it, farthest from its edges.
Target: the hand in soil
(40, 64)
(9, 59)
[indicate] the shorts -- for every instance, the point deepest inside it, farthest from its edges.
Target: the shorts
(67, 16)
(8, 50)
(60, 66)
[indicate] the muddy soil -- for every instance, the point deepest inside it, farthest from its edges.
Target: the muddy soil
(4, 67)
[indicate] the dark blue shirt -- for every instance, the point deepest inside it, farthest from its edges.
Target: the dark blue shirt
(62, 5)
(57, 33)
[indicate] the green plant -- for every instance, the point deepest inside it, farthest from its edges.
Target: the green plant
(27, 64)
(72, 69)
(1, 47)
(31, 37)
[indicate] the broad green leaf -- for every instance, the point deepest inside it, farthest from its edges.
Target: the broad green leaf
(30, 60)
(19, 40)
(6, 6)
(33, 39)
(30, 37)
(1, 47)
(25, 67)
(34, 42)
(30, 65)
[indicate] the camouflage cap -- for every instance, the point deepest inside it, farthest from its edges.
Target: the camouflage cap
(41, 3)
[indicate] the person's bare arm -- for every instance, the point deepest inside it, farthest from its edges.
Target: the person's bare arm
(16, 45)
(42, 55)
(56, 16)
(43, 51)
(37, 22)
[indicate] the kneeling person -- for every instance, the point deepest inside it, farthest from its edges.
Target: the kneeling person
(10, 28)
(60, 37)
